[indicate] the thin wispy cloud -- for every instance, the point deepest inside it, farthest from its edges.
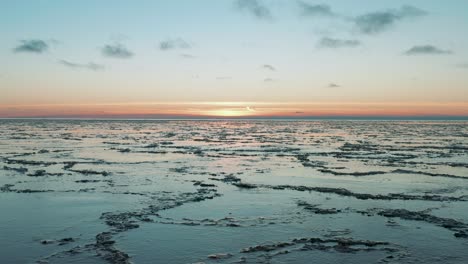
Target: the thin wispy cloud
(116, 51)
(223, 78)
(174, 44)
(32, 46)
(255, 8)
(187, 56)
(377, 22)
(333, 85)
(334, 43)
(312, 10)
(250, 109)
(268, 67)
(119, 37)
(427, 50)
(462, 65)
(88, 66)
(269, 80)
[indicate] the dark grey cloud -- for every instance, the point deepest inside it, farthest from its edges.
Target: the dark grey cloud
(88, 66)
(338, 43)
(268, 67)
(311, 10)
(116, 51)
(32, 46)
(174, 44)
(255, 8)
(426, 50)
(377, 22)
(333, 85)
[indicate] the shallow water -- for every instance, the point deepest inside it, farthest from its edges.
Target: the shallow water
(75, 191)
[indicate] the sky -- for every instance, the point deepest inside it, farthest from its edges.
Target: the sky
(233, 58)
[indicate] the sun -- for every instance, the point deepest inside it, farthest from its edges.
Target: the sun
(232, 112)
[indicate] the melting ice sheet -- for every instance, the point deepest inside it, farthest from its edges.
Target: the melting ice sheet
(233, 191)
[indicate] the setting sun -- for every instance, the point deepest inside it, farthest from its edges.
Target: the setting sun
(230, 112)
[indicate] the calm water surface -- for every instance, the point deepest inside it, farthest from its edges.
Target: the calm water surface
(76, 191)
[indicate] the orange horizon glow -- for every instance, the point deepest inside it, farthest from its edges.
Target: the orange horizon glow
(235, 109)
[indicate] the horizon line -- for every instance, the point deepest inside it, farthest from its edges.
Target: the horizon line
(299, 118)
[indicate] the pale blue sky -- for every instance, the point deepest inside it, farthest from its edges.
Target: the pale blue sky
(228, 47)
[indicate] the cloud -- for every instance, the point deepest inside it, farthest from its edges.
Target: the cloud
(89, 66)
(187, 56)
(333, 85)
(250, 109)
(116, 51)
(410, 11)
(311, 10)
(338, 43)
(462, 65)
(268, 67)
(426, 50)
(223, 78)
(255, 8)
(377, 22)
(32, 46)
(174, 44)
(269, 80)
